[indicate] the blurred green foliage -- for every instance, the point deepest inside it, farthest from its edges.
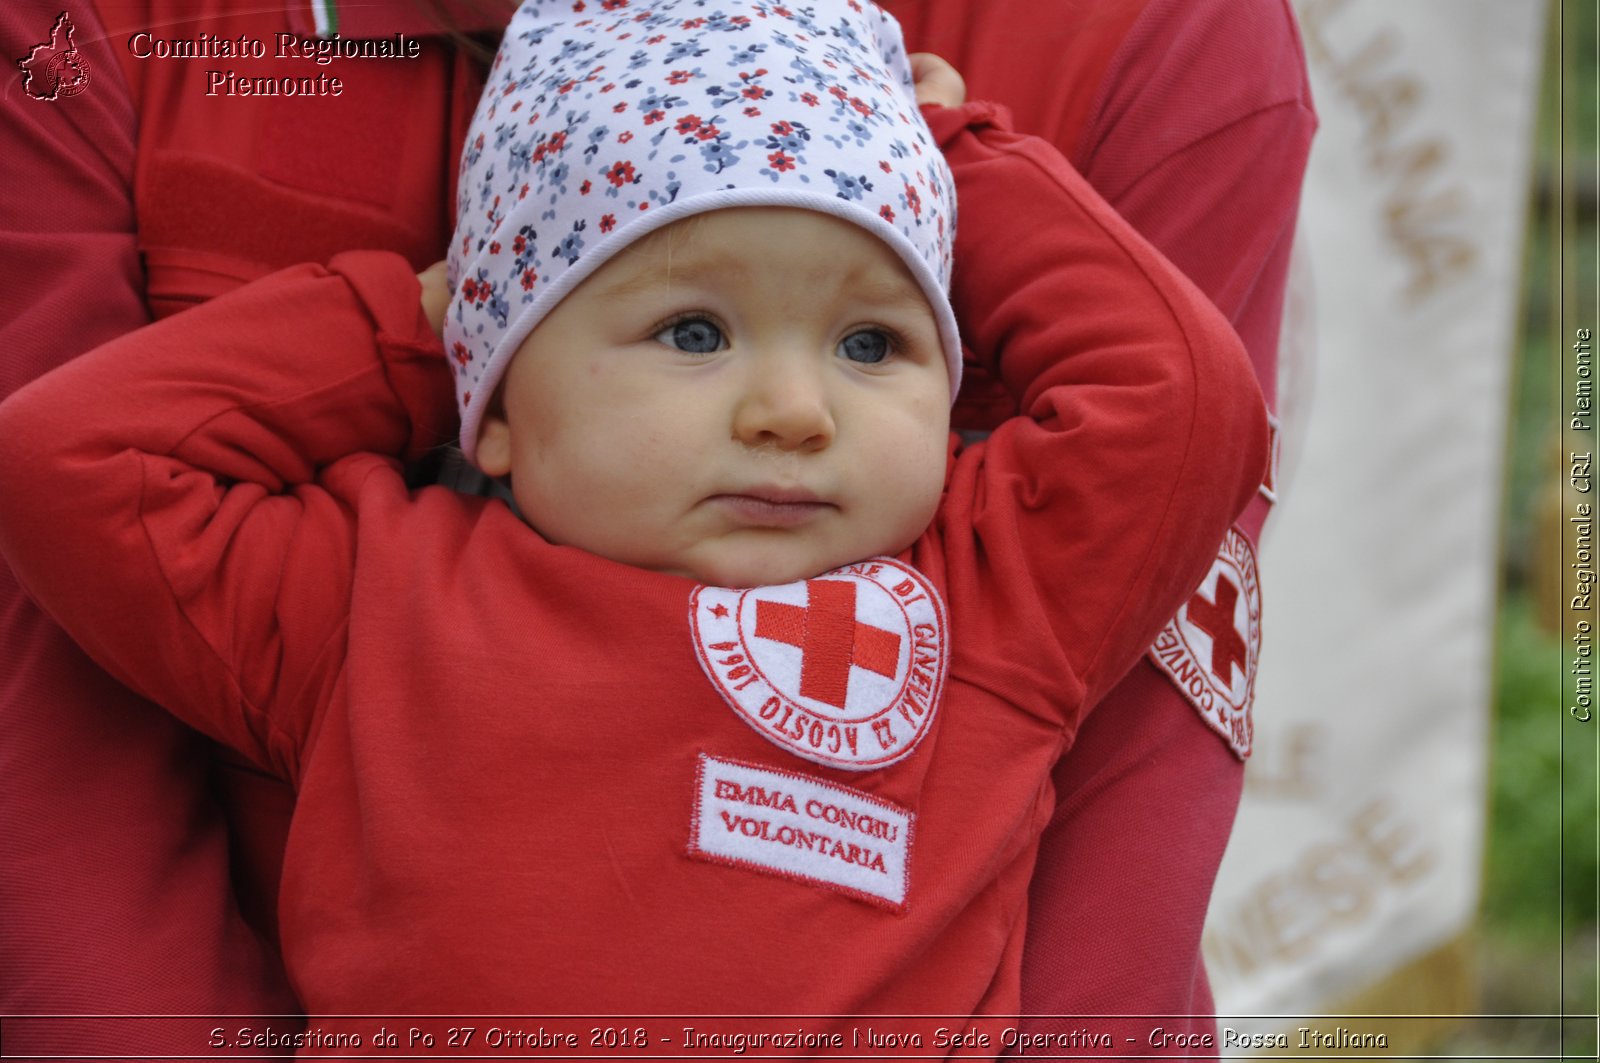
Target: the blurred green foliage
(1533, 838)
(1542, 874)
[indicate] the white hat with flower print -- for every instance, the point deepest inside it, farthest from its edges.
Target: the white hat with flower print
(604, 120)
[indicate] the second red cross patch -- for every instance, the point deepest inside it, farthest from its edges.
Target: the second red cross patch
(845, 669)
(1211, 648)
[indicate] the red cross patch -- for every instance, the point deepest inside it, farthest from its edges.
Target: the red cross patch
(845, 669)
(1211, 648)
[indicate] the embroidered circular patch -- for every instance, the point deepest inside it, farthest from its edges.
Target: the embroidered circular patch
(845, 670)
(1210, 649)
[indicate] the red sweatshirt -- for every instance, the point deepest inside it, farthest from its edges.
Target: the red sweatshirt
(213, 507)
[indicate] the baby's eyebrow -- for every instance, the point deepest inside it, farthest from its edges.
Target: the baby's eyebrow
(632, 282)
(663, 273)
(898, 293)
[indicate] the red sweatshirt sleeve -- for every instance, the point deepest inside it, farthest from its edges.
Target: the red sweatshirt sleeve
(141, 507)
(1142, 436)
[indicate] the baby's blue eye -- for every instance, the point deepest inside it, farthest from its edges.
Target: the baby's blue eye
(868, 346)
(692, 335)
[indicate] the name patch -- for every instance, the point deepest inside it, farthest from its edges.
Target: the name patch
(845, 670)
(793, 826)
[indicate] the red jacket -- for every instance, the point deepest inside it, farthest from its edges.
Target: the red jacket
(485, 730)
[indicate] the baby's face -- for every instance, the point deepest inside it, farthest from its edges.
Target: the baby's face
(752, 396)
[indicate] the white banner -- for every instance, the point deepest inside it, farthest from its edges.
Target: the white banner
(1358, 847)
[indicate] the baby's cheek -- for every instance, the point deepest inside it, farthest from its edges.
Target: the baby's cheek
(929, 450)
(647, 469)
(653, 454)
(927, 478)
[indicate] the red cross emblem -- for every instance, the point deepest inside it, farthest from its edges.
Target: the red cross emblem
(1228, 651)
(830, 639)
(1210, 649)
(846, 669)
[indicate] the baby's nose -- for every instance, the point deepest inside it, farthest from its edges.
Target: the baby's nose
(784, 404)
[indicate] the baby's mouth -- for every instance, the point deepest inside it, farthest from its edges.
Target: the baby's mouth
(771, 507)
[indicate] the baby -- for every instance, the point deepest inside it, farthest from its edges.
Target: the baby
(732, 232)
(749, 704)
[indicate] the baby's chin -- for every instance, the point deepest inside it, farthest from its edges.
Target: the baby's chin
(740, 569)
(738, 575)
(754, 558)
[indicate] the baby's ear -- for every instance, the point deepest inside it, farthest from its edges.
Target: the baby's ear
(494, 440)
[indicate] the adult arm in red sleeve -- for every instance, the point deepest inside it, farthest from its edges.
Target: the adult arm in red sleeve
(1199, 138)
(114, 889)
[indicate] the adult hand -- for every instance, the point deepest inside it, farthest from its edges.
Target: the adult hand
(936, 81)
(435, 295)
